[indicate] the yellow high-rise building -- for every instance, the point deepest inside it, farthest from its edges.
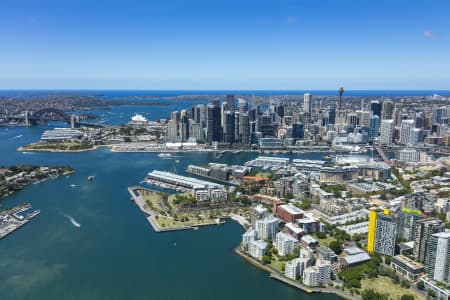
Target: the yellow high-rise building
(372, 229)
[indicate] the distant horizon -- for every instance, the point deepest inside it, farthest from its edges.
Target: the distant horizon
(225, 44)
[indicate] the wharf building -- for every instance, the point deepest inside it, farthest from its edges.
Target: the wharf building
(423, 230)
(289, 213)
(200, 189)
(61, 134)
(354, 256)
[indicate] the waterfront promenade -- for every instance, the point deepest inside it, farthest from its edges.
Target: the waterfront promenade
(276, 275)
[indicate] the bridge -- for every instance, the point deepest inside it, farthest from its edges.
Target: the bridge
(382, 154)
(48, 114)
(40, 115)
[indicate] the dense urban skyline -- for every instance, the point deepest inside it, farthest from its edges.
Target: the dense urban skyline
(224, 44)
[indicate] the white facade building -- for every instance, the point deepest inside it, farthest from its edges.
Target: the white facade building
(249, 236)
(257, 249)
(387, 132)
(285, 244)
(318, 274)
(267, 228)
(409, 155)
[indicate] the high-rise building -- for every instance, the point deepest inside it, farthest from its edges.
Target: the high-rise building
(406, 221)
(352, 119)
(223, 111)
(374, 126)
(318, 274)
(438, 114)
(244, 129)
(375, 107)
(385, 235)
(406, 132)
(422, 233)
(331, 113)
(267, 228)
(438, 257)
(307, 103)
(231, 102)
(285, 244)
(228, 130)
(364, 117)
(387, 132)
(387, 110)
(243, 106)
(382, 233)
(213, 123)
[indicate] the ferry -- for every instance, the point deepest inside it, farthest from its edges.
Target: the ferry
(164, 155)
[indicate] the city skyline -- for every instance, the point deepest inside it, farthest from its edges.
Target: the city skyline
(265, 45)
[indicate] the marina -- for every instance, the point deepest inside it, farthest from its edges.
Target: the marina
(12, 219)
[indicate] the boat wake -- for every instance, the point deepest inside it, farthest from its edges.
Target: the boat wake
(18, 136)
(72, 220)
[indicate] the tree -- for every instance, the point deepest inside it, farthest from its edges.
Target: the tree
(420, 285)
(321, 235)
(372, 295)
(265, 259)
(336, 247)
(431, 293)
(387, 260)
(407, 297)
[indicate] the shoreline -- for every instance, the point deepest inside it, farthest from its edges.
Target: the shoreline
(150, 215)
(24, 149)
(296, 284)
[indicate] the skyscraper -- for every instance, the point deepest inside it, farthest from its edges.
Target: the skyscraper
(228, 130)
(387, 132)
(385, 235)
(213, 122)
(244, 129)
(406, 131)
(231, 102)
(422, 233)
(438, 257)
(406, 221)
(374, 126)
(307, 98)
(387, 110)
(332, 113)
(438, 113)
(382, 233)
(375, 107)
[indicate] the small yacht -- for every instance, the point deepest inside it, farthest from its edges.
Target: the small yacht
(164, 155)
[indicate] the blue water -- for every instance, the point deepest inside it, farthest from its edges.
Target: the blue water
(114, 254)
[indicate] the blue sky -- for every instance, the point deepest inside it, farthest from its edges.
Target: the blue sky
(218, 44)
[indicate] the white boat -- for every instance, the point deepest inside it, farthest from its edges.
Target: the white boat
(164, 155)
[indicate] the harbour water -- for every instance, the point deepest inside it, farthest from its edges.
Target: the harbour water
(91, 242)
